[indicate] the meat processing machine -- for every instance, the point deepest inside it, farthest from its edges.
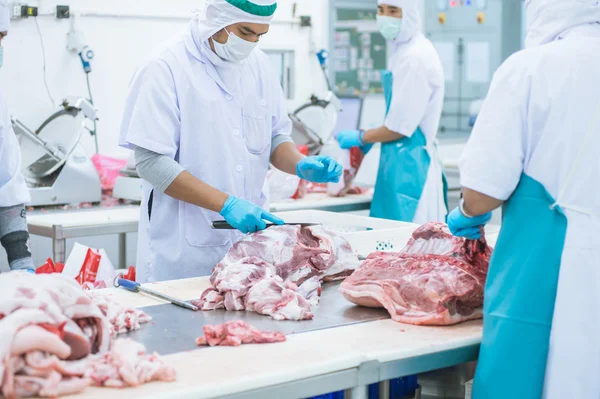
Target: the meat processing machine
(128, 185)
(56, 167)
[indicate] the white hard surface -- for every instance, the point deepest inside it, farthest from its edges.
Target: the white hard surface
(319, 201)
(209, 373)
(80, 218)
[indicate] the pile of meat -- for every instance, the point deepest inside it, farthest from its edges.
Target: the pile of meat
(438, 279)
(236, 333)
(56, 339)
(278, 272)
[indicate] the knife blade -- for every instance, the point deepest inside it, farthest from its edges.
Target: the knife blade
(223, 225)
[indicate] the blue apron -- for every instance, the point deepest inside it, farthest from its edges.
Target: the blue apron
(403, 168)
(520, 295)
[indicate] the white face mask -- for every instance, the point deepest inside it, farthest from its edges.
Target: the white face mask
(390, 27)
(235, 49)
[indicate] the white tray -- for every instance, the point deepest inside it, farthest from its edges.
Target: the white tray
(394, 240)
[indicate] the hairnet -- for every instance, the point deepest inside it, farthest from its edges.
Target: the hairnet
(548, 19)
(411, 17)
(4, 16)
(222, 13)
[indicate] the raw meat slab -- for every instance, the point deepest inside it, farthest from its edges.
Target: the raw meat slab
(175, 330)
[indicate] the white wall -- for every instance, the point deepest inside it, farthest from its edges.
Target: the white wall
(120, 44)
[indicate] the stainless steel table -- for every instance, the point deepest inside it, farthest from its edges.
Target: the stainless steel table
(63, 225)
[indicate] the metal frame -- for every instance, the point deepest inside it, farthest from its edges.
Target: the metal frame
(355, 381)
(59, 235)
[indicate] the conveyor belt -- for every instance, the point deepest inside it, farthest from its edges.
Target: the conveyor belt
(175, 330)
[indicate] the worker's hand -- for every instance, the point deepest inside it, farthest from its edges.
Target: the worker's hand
(353, 138)
(469, 228)
(318, 169)
(247, 217)
(349, 138)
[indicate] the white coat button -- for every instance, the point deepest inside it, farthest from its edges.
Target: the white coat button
(236, 132)
(263, 102)
(239, 168)
(229, 97)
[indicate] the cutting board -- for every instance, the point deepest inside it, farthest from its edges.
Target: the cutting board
(173, 329)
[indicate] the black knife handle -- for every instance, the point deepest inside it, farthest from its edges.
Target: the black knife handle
(222, 225)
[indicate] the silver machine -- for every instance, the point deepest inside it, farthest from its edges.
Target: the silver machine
(314, 123)
(56, 167)
(473, 38)
(128, 185)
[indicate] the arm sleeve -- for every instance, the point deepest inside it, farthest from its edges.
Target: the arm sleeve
(411, 94)
(278, 140)
(158, 170)
(151, 117)
(493, 160)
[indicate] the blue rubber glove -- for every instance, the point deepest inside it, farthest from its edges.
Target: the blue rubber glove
(348, 139)
(247, 217)
(319, 169)
(469, 228)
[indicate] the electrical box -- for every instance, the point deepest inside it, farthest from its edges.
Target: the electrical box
(473, 39)
(27, 11)
(63, 12)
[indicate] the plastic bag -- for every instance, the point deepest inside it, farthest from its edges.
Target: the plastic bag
(350, 161)
(89, 270)
(108, 169)
(50, 267)
(283, 186)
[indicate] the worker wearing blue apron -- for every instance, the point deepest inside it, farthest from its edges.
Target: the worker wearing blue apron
(410, 184)
(535, 150)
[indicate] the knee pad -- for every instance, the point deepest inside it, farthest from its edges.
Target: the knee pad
(16, 245)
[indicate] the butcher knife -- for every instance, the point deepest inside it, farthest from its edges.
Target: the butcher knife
(137, 287)
(223, 225)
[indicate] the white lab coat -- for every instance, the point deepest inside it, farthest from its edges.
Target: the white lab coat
(13, 190)
(417, 101)
(218, 123)
(542, 117)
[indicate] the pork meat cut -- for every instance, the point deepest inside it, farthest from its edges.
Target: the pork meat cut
(54, 338)
(236, 333)
(278, 272)
(437, 279)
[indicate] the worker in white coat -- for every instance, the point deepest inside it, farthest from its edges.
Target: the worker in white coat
(205, 117)
(536, 149)
(410, 183)
(14, 235)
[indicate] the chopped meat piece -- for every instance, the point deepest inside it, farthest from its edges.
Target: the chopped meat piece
(127, 364)
(236, 333)
(262, 272)
(438, 279)
(278, 299)
(55, 338)
(121, 318)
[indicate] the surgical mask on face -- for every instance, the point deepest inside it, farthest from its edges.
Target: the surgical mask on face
(389, 27)
(235, 49)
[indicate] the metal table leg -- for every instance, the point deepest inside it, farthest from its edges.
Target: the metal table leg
(123, 250)
(384, 390)
(59, 250)
(360, 392)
